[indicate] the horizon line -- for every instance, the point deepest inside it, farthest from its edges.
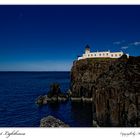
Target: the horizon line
(34, 71)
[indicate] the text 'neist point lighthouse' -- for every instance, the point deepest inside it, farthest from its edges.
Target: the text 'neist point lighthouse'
(103, 54)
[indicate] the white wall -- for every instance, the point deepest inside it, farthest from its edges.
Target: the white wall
(106, 54)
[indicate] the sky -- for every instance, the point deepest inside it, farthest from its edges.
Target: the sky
(49, 38)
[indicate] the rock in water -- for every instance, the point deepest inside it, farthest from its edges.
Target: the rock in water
(54, 95)
(40, 100)
(54, 90)
(94, 123)
(51, 121)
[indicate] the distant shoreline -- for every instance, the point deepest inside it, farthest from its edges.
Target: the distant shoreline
(34, 71)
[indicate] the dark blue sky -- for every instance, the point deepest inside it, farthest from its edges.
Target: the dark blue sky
(49, 38)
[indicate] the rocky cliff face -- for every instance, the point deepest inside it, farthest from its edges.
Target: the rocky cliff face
(114, 85)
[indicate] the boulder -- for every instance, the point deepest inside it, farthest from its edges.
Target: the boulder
(51, 121)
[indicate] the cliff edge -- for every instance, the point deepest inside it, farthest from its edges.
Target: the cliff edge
(114, 86)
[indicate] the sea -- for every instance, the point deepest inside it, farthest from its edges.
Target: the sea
(19, 91)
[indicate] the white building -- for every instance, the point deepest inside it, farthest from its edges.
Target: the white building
(103, 54)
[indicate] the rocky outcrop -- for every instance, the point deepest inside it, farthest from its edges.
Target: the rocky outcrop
(51, 121)
(84, 74)
(53, 96)
(113, 85)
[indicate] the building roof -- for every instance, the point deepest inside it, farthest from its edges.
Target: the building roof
(87, 46)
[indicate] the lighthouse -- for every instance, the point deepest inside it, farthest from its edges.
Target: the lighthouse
(103, 54)
(87, 49)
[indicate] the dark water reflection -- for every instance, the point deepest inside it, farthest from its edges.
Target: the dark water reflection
(76, 114)
(82, 113)
(19, 90)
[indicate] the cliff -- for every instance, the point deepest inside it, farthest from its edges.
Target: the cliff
(113, 85)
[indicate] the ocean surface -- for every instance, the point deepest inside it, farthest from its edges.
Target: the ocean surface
(19, 90)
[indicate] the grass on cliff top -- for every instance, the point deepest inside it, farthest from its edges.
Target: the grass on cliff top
(92, 60)
(106, 59)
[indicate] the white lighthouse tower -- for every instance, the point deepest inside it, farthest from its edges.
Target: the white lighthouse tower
(87, 49)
